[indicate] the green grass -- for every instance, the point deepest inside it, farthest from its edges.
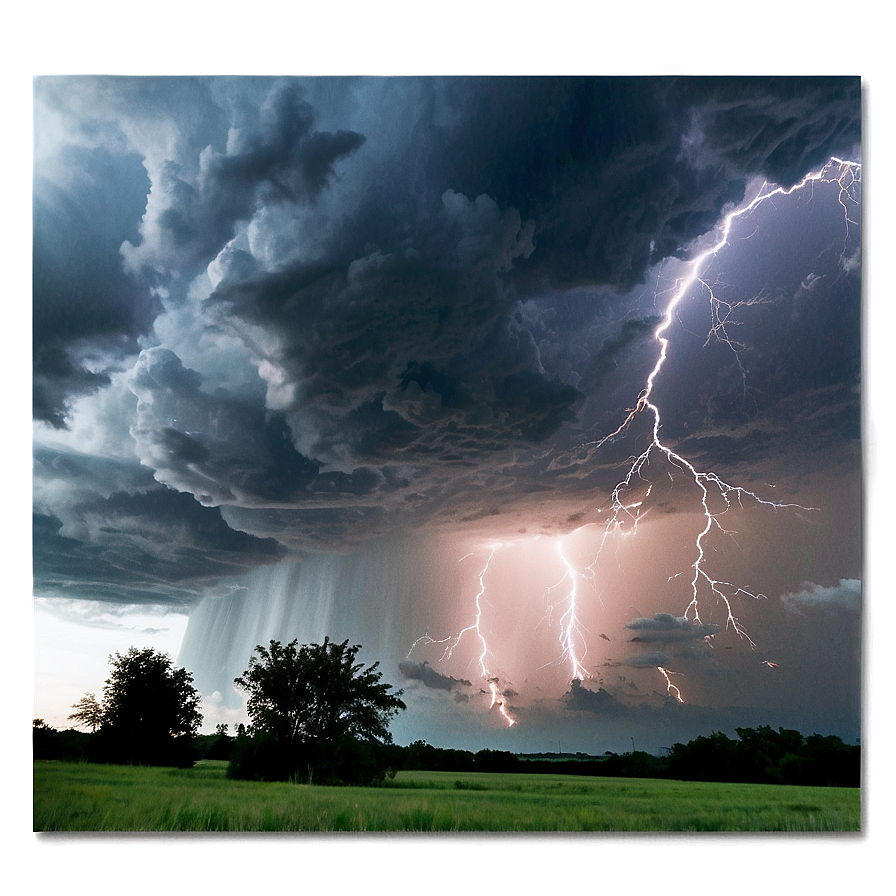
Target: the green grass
(82, 797)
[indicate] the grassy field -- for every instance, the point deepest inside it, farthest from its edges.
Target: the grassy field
(82, 797)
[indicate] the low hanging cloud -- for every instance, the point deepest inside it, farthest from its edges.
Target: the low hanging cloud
(157, 547)
(666, 629)
(601, 702)
(425, 673)
(845, 595)
(647, 660)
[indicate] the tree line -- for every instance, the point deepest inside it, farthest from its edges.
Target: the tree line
(317, 715)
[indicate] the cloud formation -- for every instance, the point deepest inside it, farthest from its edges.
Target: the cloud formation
(291, 318)
(581, 698)
(667, 629)
(430, 677)
(846, 595)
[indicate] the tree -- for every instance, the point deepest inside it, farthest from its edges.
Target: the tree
(312, 707)
(89, 712)
(149, 712)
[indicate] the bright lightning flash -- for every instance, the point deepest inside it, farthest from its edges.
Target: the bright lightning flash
(570, 630)
(475, 628)
(847, 177)
(670, 688)
(716, 496)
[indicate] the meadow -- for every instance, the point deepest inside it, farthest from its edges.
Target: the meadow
(87, 797)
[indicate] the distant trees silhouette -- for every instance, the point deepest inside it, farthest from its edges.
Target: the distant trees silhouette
(44, 740)
(759, 755)
(318, 715)
(765, 756)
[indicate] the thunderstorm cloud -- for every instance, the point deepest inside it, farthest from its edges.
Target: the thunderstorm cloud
(302, 345)
(581, 698)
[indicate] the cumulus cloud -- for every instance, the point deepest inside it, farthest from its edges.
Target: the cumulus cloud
(87, 314)
(219, 448)
(192, 211)
(846, 595)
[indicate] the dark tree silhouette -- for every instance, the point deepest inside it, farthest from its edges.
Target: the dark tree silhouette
(314, 713)
(149, 712)
(89, 712)
(44, 740)
(766, 756)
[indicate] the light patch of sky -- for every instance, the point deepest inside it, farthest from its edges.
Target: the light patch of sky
(100, 422)
(73, 642)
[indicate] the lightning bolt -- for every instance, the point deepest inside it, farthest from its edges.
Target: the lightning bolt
(670, 688)
(570, 629)
(711, 488)
(628, 504)
(475, 628)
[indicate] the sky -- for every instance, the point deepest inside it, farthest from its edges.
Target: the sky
(361, 357)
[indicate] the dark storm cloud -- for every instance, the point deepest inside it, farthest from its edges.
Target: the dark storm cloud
(281, 159)
(98, 224)
(81, 473)
(402, 336)
(777, 127)
(85, 308)
(327, 528)
(157, 546)
(666, 629)
(608, 357)
(425, 673)
(90, 191)
(601, 702)
(409, 349)
(428, 276)
(647, 660)
(215, 447)
(609, 166)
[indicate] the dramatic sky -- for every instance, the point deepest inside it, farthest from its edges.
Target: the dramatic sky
(337, 356)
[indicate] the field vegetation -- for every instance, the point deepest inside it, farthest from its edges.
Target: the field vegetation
(92, 797)
(318, 756)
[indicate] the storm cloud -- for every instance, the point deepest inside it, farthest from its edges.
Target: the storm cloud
(425, 673)
(666, 629)
(286, 327)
